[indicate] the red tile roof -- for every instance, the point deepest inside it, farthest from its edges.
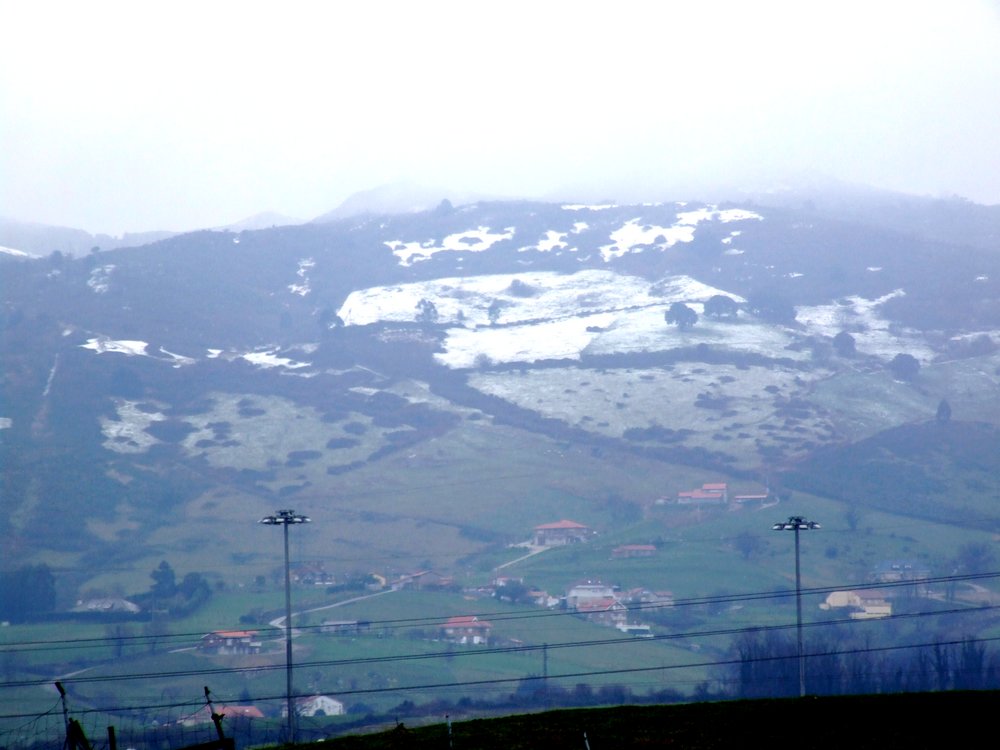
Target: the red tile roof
(466, 621)
(564, 524)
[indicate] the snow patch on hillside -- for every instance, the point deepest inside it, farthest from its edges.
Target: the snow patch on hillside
(872, 333)
(551, 339)
(635, 237)
(473, 241)
(551, 241)
(100, 278)
(15, 253)
(268, 359)
(302, 287)
(126, 433)
(546, 315)
(524, 297)
(102, 345)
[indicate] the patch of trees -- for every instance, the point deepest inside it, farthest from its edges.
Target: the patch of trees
(904, 367)
(721, 306)
(680, 315)
(844, 345)
(943, 414)
(493, 311)
(176, 598)
(518, 288)
(771, 307)
(427, 312)
(749, 544)
(766, 666)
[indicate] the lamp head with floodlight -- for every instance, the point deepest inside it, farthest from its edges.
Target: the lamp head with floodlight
(796, 523)
(284, 517)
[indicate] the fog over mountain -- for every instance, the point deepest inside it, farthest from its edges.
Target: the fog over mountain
(111, 131)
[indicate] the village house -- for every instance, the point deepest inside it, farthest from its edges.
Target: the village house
(423, 579)
(648, 598)
(588, 591)
(226, 642)
(710, 493)
(560, 533)
(542, 598)
(864, 605)
(316, 705)
(466, 630)
(598, 603)
(311, 574)
(607, 611)
(343, 627)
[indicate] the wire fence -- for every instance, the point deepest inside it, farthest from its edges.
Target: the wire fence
(754, 665)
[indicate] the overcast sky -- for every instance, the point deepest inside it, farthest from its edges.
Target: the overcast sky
(175, 115)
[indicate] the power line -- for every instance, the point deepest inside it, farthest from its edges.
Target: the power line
(523, 649)
(407, 622)
(560, 676)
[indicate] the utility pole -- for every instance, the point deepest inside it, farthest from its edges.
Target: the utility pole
(286, 518)
(797, 524)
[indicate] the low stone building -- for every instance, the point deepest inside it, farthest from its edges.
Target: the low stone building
(560, 533)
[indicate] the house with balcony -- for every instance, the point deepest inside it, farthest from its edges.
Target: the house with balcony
(466, 630)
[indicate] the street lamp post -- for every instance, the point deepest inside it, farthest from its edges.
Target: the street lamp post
(285, 518)
(797, 524)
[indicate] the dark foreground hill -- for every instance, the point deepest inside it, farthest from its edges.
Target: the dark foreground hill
(912, 720)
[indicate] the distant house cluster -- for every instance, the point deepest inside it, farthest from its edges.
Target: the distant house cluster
(715, 494)
(607, 605)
